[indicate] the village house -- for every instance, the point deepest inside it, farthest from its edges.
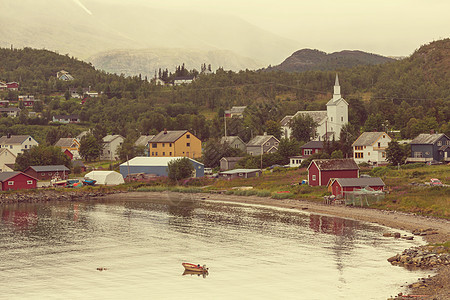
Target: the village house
(240, 173)
(370, 147)
(27, 100)
(16, 181)
(430, 147)
(229, 163)
(235, 112)
(175, 143)
(340, 186)
(64, 75)
(329, 122)
(3, 86)
(7, 160)
(262, 144)
(72, 145)
(12, 86)
(85, 92)
(320, 171)
(183, 80)
(17, 143)
(234, 142)
(295, 161)
(111, 144)
(4, 103)
(48, 172)
(66, 119)
(11, 112)
(144, 141)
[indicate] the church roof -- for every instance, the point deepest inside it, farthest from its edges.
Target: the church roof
(317, 115)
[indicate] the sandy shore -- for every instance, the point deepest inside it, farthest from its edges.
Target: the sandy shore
(438, 287)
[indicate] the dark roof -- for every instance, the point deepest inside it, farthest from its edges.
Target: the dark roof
(230, 139)
(77, 163)
(143, 140)
(13, 139)
(59, 117)
(335, 164)
(285, 121)
(51, 168)
(65, 142)
(368, 138)
(8, 175)
(231, 159)
(168, 136)
(444, 148)
(313, 145)
(425, 138)
(316, 115)
(9, 109)
(372, 181)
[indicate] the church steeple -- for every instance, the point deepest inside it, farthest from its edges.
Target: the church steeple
(337, 89)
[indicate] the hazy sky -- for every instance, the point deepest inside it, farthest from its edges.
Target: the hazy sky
(387, 27)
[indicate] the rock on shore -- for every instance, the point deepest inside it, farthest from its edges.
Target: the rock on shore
(425, 257)
(52, 195)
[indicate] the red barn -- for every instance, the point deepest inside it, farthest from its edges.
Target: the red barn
(16, 181)
(68, 153)
(48, 172)
(320, 171)
(340, 186)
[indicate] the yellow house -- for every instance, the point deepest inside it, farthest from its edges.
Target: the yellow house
(175, 143)
(71, 144)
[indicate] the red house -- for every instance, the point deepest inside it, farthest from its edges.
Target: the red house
(68, 153)
(340, 186)
(320, 171)
(16, 181)
(48, 172)
(14, 86)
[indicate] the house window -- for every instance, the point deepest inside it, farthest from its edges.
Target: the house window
(342, 119)
(170, 144)
(29, 139)
(358, 147)
(188, 136)
(10, 147)
(49, 174)
(164, 153)
(368, 154)
(164, 145)
(418, 154)
(170, 153)
(359, 155)
(30, 182)
(331, 119)
(276, 143)
(241, 174)
(307, 152)
(153, 153)
(43, 174)
(154, 145)
(439, 143)
(26, 146)
(188, 144)
(314, 177)
(267, 144)
(156, 153)
(383, 154)
(10, 182)
(379, 145)
(383, 137)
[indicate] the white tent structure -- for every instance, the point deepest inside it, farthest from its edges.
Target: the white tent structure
(105, 177)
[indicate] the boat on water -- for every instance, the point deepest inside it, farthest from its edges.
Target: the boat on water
(195, 268)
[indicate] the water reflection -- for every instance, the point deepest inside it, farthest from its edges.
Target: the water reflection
(49, 250)
(193, 273)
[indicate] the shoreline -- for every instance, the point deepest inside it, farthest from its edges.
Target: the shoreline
(437, 287)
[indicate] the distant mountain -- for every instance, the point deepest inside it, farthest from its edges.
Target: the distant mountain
(83, 30)
(147, 61)
(308, 59)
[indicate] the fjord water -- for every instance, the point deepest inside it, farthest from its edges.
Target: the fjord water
(53, 250)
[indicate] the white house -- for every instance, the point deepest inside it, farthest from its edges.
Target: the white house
(329, 122)
(17, 143)
(370, 147)
(10, 111)
(110, 145)
(7, 160)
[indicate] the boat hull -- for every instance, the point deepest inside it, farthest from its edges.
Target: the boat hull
(194, 268)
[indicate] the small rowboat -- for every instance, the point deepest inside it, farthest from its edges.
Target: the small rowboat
(195, 268)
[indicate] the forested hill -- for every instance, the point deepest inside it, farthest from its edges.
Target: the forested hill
(308, 59)
(411, 94)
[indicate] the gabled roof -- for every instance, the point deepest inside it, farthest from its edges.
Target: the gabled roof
(2, 150)
(143, 140)
(368, 138)
(426, 138)
(285, 121)
(14, 139)
(313, 145)
(335, 102)
(260, 140)
(231, 159)
(230, 139)
(109, 138)
(237, 109)
(360, 182)
(8, 175)
(51, 168)
(9, 109)
(168, 136)
(317, 115)
(65, 142)
(335, 164)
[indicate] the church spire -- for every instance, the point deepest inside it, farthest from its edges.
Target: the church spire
(337, 89)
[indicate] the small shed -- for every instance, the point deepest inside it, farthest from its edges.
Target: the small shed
(16, 181)
(156, 165)
(105, 177)
(320, 171)
(340, 186)
(240, 173)
(228, 163)
(48, 172)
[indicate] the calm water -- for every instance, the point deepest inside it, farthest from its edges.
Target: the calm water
(53, 250)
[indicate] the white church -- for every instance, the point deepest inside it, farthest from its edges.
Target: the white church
(329, 122)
